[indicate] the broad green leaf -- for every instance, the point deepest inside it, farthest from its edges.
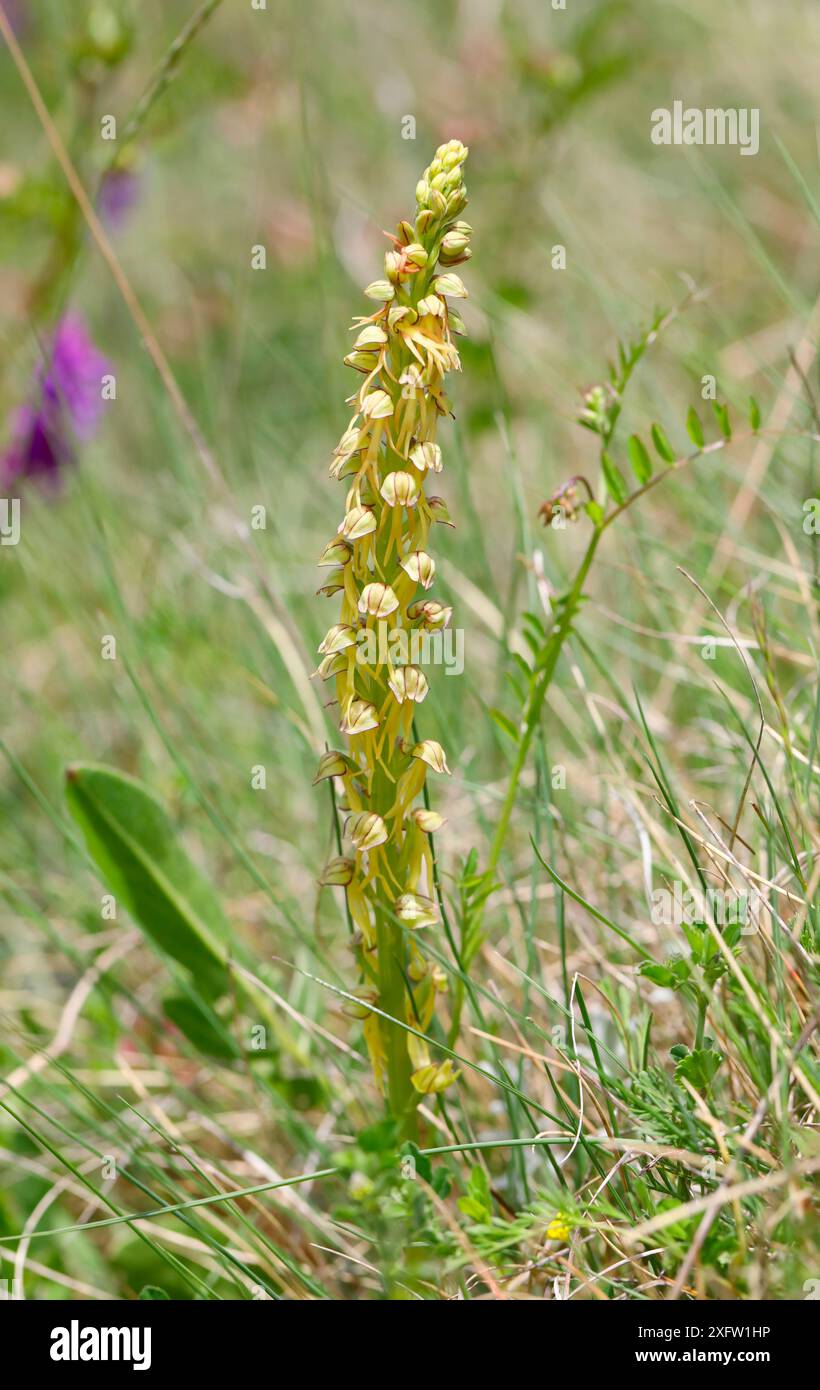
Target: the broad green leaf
(694, 428)
(615, 485)
(671, 975)
(133, 843)
(639, 460)
(699, 1067)
(662, 444)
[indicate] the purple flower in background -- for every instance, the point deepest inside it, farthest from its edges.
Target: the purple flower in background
(119, 192)
(16, 16)
(66, 407)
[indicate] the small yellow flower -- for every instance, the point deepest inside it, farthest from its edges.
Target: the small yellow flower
(558, 1229)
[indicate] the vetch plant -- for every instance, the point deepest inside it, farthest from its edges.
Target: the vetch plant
(383, 569)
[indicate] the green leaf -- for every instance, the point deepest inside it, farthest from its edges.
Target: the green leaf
(699, 1067)
(201, 1027)
(152, 1293)
(478, 1202)
(694, 428)
(639, 460)
(504, 722)
(133, 843)
(662, 444)
(722, 417)
(615, 485)
(672, 975)
(754, 413)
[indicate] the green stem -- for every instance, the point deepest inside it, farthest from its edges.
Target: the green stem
(703, 1004)
(401, 1094)
(543, 679)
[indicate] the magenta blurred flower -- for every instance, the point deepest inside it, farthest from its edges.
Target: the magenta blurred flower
(119, 192)
(66, 407)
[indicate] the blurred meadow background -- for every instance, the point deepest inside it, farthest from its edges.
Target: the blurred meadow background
(285, 128)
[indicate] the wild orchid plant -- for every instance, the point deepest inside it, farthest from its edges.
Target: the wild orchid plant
(380, 561)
